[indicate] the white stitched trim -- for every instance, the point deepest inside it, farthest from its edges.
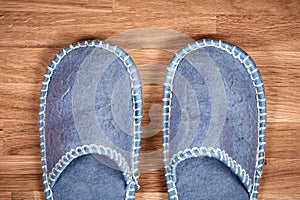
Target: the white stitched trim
(75, 153)
(212, 153)
(261, 113)
(49, 73)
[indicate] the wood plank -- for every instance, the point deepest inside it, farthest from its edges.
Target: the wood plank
(1, 140)
(57, 29)
(32, 29)
(152, 195)
(278, 108)
(35, 195)
(20, 165)
(278, 68)
(21, 182)
(277, 177)
(168, 7)
(52, 6)
(268, 196)
(208, 7)
(22, 143)
(143, 57)
(21, 137)
(5, 195)
(20, 102)
(153, 181)
(280, 140)
(253, 7)
(262, 32)
(25, 65)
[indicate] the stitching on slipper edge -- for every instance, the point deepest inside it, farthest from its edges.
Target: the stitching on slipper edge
(137, 108)
(250, 66)
(210, 152)
(85, 150)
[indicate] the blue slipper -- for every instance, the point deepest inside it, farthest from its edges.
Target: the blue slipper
(90, 123)
(214, 121)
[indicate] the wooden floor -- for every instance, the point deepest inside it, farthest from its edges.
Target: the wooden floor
(32, 32)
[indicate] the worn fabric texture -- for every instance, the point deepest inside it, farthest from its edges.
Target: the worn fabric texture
(88, 178)
(89, 102)
(213, 105)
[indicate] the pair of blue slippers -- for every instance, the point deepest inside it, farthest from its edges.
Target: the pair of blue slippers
(214, 121)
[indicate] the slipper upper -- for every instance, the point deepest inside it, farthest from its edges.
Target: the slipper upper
(214, 106)
(91, 103)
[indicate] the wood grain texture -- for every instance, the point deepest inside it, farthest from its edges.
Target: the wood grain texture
(32, 32)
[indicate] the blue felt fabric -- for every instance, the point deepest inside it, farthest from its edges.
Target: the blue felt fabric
(89, 179)
(214, 98)
(89, 102)
(210, 180)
